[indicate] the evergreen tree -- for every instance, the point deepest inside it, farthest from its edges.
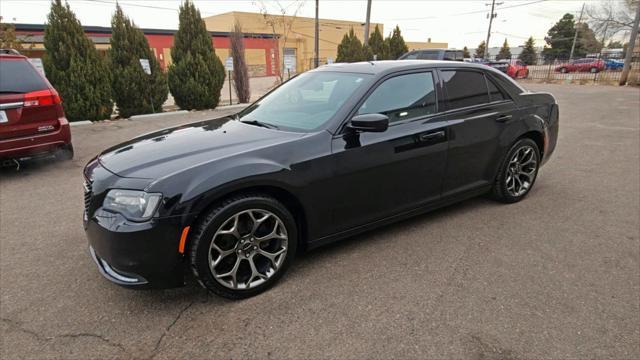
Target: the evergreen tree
(376, 44)
(505, 52)
(350, 48)
(528, 54)
(197, 74)
(560, 39)
(133, 90)
(240, 70)
(396, 44)
(479, 53)
(465, 53)
(74, 67)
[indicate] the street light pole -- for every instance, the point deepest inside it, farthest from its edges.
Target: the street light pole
(575, 34)
(366, 24)
(491, 16)
(316, 45)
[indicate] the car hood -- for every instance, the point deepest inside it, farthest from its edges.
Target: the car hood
(167, 151)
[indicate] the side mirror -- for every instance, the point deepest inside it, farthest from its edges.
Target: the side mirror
(369, 123)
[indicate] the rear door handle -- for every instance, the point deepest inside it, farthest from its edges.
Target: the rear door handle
(503, 118)
(432, 136)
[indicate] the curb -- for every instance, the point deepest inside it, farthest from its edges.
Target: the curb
(168, 113)
(139, 117)
(230, 107)
(78, 123)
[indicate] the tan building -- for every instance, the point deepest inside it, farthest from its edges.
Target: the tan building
(416, 45)
(298, 48)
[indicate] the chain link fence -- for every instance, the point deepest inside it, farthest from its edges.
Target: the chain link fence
(589, 69)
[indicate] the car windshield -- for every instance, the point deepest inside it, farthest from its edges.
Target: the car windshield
(306, 102)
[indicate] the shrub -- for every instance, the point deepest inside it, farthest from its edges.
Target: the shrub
(133, 90)
(74, 67)
(197, 74)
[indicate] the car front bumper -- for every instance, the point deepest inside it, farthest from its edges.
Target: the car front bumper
(136, 255)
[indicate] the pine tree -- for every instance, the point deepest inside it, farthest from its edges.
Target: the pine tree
(74, 67)
(396, 44)
(197, 74)
(350, 48)
(479, 53)
(133, 90)
(376, 44)
(505, 52)
(528, 54)
(465, 53)
(560, 40)
(240, 71)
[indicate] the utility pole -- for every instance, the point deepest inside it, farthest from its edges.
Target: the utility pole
(316, 45)
(492, 15)
(632, 42)
(575, 34)
(366, 24)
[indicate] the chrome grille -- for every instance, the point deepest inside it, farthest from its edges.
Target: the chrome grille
(88, 192)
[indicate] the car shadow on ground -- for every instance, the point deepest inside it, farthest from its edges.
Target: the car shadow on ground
(193, 292)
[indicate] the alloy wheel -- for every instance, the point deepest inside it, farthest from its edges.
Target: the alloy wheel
(521, 171)
(248, 249)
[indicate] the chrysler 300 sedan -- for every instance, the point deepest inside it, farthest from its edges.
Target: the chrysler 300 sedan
(333, 152)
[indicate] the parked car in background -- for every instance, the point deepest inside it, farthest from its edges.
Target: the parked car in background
(331, 153)
(434, 54)
(32, 120)
(612, 64)
(516, 69)
(580, 65)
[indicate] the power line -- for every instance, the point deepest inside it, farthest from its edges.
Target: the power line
(466, 13)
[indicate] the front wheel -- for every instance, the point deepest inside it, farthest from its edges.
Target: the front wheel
(564, 70)
(518, 172)
(243, 246)
(594, 70)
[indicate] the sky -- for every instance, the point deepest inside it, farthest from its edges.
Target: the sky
(458, 22)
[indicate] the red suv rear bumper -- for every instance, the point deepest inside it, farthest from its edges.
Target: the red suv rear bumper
(36, 145)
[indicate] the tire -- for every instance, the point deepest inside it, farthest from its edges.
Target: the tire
(594, 70)
(564, 70)
(242, 269)
(64, 153)
(508, 189)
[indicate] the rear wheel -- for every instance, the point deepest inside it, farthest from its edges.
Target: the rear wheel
(594, 70)
(518, 172)
(243, 246)
(564, 70)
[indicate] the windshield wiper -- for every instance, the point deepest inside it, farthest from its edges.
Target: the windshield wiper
(259, 123)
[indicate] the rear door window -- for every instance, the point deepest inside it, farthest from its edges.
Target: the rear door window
(403, 97)
(465, 88)
(18, 76)
(495, 94)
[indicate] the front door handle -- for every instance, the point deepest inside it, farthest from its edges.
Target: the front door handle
(432, 136)
(503, 118)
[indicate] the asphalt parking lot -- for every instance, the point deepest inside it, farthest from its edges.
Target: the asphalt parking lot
(554, 276)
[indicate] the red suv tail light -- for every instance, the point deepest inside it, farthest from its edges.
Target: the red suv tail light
(41, 98)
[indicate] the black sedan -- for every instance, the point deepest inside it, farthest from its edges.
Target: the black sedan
(333, 152)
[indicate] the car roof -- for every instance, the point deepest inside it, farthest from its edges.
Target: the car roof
(387, 66)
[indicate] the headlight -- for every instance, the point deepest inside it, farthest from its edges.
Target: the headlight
(132, 204)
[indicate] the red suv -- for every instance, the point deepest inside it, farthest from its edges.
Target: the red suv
(586, 64)
(32, 121)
